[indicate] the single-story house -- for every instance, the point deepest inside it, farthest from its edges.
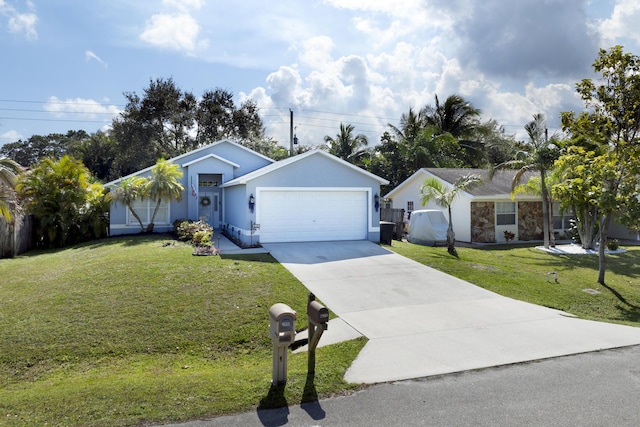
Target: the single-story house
(483, 213)
(313, 196)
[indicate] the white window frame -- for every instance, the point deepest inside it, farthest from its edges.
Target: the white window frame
(502, 211)
(144, 209)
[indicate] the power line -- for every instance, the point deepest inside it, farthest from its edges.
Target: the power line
(50, 112)
(52, 120)
(61, 102)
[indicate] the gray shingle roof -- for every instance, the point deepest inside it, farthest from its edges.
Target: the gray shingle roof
(499, 185)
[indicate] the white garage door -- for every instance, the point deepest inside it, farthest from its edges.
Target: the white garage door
(309, 215)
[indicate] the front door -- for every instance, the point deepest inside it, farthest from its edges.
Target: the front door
(209, 208)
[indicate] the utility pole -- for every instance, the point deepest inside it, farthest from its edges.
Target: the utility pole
(291, 132)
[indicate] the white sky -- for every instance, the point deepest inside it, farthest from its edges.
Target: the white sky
(67, 63)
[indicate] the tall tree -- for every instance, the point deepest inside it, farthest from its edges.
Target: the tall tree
(346, 145)
(164, 185)
(537, 155)
(612, 121)
(443, 195)
(461, 119)
(167, 121)
(578, 189)
(37, 147)
(97, 153)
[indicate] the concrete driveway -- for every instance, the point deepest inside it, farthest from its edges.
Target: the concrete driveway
(422, 322)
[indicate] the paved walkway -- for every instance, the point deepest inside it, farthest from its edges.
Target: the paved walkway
(421, 322)
(227, 247)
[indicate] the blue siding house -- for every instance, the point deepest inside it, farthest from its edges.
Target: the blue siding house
(309, 197)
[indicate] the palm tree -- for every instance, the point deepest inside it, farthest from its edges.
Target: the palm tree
(538, 156)
(459, 118)
(57, 194)
(345, 145)
(130, 190)
(8, 173)
(436, 190)
(164, 186)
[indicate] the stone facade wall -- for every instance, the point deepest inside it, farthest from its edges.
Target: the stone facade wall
(529, 220)
(483, 223)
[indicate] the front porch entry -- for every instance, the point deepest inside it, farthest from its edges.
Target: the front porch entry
(209, 199)
(209, 208)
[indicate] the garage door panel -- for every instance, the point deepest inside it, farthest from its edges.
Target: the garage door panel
(297, 216)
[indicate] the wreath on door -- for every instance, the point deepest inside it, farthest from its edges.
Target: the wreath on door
(205, 201)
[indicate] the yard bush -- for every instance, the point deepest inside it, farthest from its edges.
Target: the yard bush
(187, 230)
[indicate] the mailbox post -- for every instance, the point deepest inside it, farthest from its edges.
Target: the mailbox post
(282, 327)
(318, 318)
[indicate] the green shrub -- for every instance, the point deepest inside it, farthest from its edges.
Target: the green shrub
(202, 238)
(186, 230)
(613, 244)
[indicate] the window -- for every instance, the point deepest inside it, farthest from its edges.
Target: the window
(505, 213)
(207, 183)
(561, 220)
(409, 206)
(144, 209)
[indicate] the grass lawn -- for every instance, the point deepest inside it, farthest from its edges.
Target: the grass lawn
(521, 273)
(136, 330)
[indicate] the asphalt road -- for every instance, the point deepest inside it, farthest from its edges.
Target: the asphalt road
(590, 389)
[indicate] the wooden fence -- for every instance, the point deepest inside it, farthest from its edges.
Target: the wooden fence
(394, 215)
(15, 238)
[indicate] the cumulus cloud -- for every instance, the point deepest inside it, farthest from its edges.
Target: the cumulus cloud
(184, 4)
(20, 23)
(511, 59)
(89, 108)
(9, 136)
(172, 31)
(623, 23)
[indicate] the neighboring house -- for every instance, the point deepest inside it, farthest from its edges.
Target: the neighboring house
(309, 197)
(484, 213)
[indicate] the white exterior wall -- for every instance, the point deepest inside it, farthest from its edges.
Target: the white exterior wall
(409, 192)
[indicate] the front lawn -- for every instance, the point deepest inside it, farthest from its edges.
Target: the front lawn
(522, 273)
(136, 330)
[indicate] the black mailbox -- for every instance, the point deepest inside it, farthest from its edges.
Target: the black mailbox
(317, 312)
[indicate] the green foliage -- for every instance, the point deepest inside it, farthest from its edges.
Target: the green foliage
(186, 229)
(578, 188)
(202, 238)
(538, 154)
(97, 153)
(130, 190)
(37, 147)
(447, 135)
(164, 185)
(9, 170)
(67, 206)
(608, 134)
(346, 145)
(166, 121)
